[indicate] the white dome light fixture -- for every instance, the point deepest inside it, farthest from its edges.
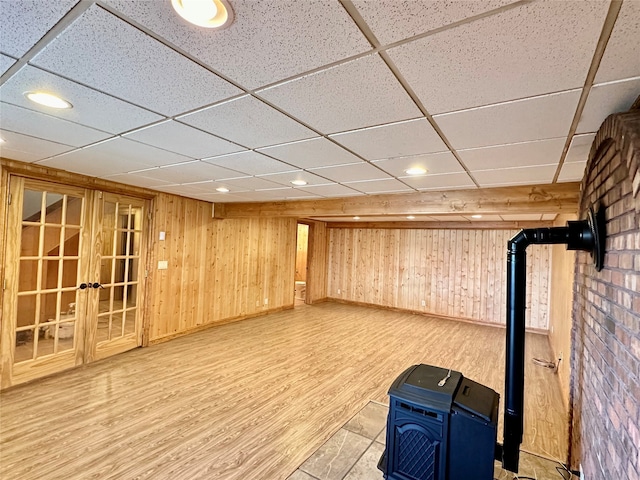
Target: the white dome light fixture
(48, 100)
(222, 189)
(205, 13)
(476, 216)
(298, 183)
(410, 217)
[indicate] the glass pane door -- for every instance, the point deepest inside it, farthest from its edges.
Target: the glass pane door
(44, 309)
(118, 265)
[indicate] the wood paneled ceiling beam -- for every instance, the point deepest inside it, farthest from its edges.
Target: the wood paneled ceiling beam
(506, 225)
(550, 198)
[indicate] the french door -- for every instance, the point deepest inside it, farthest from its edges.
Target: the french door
(73, 289)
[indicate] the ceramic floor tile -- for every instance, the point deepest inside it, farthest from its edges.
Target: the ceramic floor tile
(367, 466)
(382, 438)
(336, 457)
(369, 421)
(300, 475)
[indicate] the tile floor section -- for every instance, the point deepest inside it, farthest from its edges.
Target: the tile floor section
(353, 453)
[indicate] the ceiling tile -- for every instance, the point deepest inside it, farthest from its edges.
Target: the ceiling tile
(443, 162)
(537, 118)
(522, 217)
(28, 149)
(389, 185)
(287, 177)
(542, 152)
(621, 58)
(249, 122)
(393, 20)
(579, 148)
(606, 99)
(536, 48)
(265, 195)
(184, 190)
(93, 164)
(356, 94)
(5, 63)
(118, 155)
(331, 190)
(103, 52)
(250, 163)
(90, 108)
(24, 22)
(137, 180)
(247, 183)
(440, 182)
(179, 138)
(572, 172)
(450, 218)
(217, 197)
(393, 140)
(300, 36)
(36, 124)
(515, 176)
(484, 218)
(189, 172)
(351, 173)
(316, 152)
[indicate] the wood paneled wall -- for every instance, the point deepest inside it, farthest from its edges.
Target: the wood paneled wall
(217, 269)
(561, 302)
(455, 273)
(301, 253)
(317, 255)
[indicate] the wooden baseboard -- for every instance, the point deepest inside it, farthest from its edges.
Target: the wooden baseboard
(434, 315)
(225, 321)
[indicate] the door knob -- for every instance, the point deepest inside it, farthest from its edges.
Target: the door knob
(96, 285)
(83, 286)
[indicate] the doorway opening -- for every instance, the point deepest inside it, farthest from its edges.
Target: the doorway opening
(302, 248)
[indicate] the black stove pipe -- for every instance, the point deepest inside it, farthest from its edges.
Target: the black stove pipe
(577, 235)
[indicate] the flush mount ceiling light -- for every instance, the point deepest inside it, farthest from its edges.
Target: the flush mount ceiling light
(410, 217)
(298, 183)
(476, 216)
(47, 99)
(356, 218)
(205, 13)
(415, 171)
(222, 189)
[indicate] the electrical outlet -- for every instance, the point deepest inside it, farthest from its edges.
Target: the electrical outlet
(338, 291)
(163, 265)
(424, 303)
(266, 301)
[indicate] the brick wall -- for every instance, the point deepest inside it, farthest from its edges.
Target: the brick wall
(605, 383)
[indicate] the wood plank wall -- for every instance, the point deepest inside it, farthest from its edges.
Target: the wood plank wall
(301, 253)
(317, 255)
(456, 273)
(218, 269)
(561, 299)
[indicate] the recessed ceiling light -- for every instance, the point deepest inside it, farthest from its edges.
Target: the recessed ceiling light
(410, 217)
(222, 189)
(476, 216)
(298, 183)
(205, 13)
(356, 218)
(415, 171)
(47, 99)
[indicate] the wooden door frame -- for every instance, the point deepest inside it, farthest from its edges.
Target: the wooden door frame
(11, 169)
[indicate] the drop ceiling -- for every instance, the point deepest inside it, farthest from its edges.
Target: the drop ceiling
(345, 95)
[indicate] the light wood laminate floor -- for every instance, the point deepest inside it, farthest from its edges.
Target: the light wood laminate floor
(249, 400)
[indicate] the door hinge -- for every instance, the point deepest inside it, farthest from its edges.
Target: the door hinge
(9, 200)
(146, 273)
(149, 215)
(4, 284)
